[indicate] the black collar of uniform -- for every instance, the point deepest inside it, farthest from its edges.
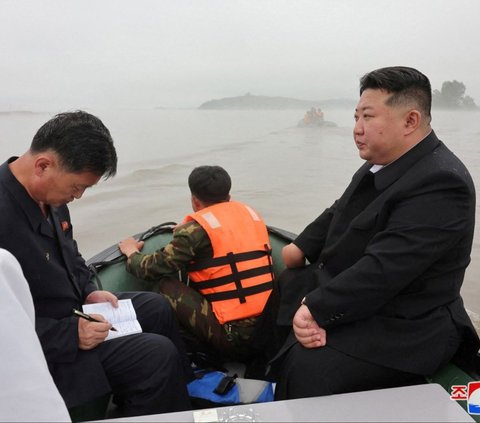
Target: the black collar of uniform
(18, 191)
(389, 174)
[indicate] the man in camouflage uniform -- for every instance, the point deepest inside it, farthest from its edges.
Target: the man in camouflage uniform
(190, 243)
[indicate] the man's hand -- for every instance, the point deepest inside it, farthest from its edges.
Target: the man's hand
(90, 334)
(293, 256)
(130, 246)
(306, 330)
(101, 297)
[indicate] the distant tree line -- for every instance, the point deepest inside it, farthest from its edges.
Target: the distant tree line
(452, 96)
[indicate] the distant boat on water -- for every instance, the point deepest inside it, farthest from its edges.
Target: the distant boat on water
(314, 118)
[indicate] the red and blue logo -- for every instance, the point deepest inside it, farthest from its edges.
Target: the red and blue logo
(473, 398)
(469, 393)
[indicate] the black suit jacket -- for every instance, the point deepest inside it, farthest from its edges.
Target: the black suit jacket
(59, 280)
(388, 281)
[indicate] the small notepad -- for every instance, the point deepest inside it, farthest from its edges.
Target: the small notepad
(123, 318)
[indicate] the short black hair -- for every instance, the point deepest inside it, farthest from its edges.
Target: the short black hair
(210, 184)
(81, 141)
(406, 85)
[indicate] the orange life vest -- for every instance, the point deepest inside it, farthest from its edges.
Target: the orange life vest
(237, 280)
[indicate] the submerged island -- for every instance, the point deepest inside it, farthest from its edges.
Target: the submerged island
(258, 102)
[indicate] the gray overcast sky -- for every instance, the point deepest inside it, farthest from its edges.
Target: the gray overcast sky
(147, 53)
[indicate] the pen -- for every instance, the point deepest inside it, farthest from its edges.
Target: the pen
(88, 317)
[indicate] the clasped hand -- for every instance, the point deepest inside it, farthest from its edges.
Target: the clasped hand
(306, 329)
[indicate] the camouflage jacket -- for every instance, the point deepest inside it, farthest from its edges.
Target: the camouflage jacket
(189, 242)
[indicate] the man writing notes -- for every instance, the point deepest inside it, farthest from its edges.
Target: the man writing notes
(146, 372)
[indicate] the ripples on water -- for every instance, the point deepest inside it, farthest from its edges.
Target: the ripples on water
(288, 174)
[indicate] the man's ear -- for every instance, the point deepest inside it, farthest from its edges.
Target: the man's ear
(412, 120)
(196, 203)
(42, 163)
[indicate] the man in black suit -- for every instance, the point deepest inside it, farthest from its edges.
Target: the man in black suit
(381, 302)
(146, 372)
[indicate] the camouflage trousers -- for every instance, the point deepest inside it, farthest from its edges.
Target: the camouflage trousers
(196, 315)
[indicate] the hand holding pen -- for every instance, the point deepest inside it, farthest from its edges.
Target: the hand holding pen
(89, 336)
(86, 316)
